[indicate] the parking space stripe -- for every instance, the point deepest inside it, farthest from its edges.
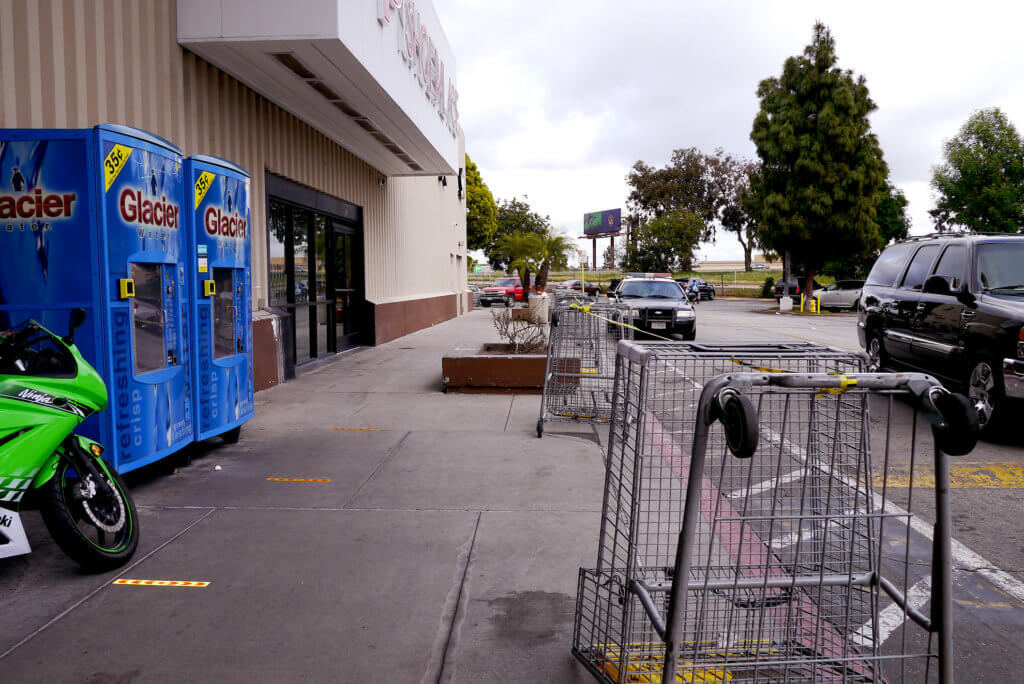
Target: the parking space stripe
(162, 583)
(298, 479)
(892, 616)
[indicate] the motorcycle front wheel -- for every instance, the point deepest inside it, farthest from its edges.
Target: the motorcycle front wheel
(99, 531)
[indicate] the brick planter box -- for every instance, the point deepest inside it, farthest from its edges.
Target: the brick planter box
(493, 369)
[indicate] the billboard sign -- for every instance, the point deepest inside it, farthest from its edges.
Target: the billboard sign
(599, 223)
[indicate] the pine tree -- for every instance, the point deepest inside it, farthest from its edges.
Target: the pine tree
(822, 172)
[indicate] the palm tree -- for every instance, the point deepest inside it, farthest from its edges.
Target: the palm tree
(554, 252)
(522, 250)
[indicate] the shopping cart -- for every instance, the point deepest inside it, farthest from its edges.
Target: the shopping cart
(581, 359)
(749, 532)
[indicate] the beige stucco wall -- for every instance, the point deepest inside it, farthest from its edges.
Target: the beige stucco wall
(75, 64)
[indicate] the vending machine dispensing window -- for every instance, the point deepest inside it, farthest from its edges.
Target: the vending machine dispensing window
(148, 320)
(226, 338)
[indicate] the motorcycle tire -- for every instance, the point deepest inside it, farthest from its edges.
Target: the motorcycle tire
(98, 540)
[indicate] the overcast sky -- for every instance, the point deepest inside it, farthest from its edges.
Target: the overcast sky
(558, 98)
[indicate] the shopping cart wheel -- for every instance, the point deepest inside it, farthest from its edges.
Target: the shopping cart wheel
(957, 434)
(540, 427)
(739, 419)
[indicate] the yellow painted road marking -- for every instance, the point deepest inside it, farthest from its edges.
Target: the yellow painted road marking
(161, 583)
(357, 429)
(974, 603)
(961, 476)
(298, 479)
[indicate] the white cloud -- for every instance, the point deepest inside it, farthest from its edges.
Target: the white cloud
(558, 99)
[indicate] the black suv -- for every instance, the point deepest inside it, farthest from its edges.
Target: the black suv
(951, 305)
(658, 306)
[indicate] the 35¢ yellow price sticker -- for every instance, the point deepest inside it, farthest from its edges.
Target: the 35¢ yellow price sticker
(203, 184)
(115, 161)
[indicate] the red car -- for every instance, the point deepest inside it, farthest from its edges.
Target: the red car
(503, 291)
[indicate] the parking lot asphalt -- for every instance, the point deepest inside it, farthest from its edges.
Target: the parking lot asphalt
(369, 527)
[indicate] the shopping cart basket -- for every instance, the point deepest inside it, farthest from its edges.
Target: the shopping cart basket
(581, 359)
(749, 532)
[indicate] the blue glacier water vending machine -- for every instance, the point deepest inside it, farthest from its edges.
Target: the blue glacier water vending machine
(93, 218)
(219, 268)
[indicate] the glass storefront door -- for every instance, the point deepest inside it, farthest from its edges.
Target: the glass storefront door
(316, 276)
(347, 284)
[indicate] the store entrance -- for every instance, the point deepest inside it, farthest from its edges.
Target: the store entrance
(316, 276)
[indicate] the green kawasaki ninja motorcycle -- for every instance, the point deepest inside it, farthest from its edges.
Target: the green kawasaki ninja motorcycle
(46, 390)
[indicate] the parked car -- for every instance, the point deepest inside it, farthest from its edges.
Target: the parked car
(659, 306)
(505, 291)
(706, 289)
(796, 283)
(842, 294)
(759, 266)
(592, 289)
(951, 305)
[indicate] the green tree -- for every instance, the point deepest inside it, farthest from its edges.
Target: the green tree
(553, 252)
(666, 243)
(822, 171)
(683, 183)
(980, 186)
(893, 224)
(521, 251)
(730, 181)
(481, 211)
(612, 259)
(514, 216)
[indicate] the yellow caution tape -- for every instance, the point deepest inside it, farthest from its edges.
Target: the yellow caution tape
(760, 369)
(585, 308)
(846, 383)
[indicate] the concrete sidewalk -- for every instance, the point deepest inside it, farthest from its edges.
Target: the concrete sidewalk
(444, 548)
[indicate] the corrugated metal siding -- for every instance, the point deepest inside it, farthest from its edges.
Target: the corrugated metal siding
(68, 64)
(73, 64)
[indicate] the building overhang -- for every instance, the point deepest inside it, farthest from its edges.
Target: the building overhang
(376, 76)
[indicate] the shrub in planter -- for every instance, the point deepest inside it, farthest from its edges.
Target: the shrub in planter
(522, 329)
(768, 289)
